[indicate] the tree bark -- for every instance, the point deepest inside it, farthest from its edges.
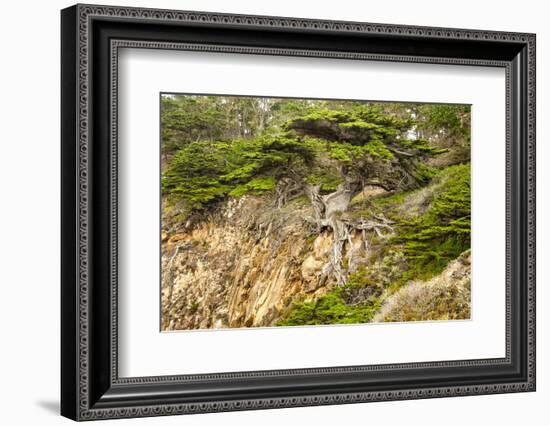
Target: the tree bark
(328, 211)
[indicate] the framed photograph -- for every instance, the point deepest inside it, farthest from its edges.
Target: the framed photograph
(263, 212)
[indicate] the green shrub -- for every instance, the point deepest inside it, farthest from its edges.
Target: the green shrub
(431, 240)
(202, 172)
(194, 307)
(257, 185)
(193, 175)
(334, 307)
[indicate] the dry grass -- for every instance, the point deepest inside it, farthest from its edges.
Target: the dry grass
(444, 297)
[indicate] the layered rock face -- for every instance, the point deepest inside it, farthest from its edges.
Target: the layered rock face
(242, 267)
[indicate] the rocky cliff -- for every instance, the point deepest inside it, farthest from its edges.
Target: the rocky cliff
(253, 263)
(242, 266)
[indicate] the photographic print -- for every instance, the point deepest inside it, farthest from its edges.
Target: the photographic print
(303, 212)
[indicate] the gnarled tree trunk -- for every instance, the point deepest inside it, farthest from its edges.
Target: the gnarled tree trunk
(328, 210)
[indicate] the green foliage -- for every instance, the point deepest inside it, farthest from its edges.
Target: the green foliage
(185, 119)
(216, 146)
(194, 307)
(202, 173)
(442, 233)
(328, 178)
(425, 173)
(257, 185)
(421, 145)
(362, 124)
(376, 148)
(452, 120)
(447, 117)
(362, 115)
(351, 154)
(333, 307)
(194, 174)
(432, 224)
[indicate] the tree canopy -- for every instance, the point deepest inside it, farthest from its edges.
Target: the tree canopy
(221, 147)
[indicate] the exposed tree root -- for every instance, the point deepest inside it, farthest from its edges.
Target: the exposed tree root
(328, 211)
(287, 190)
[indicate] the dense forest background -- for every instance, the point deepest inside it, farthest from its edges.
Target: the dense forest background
(299, 212)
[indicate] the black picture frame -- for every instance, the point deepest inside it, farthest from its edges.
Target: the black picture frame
(90, 386)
